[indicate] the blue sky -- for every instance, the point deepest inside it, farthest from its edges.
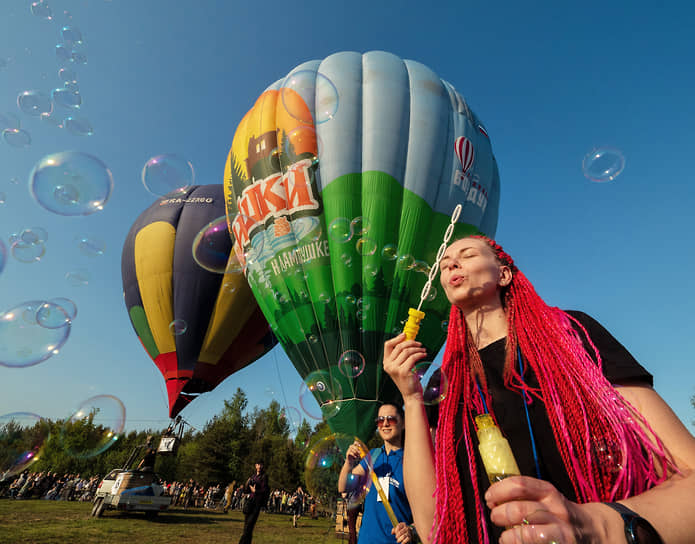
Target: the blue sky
(550, 81)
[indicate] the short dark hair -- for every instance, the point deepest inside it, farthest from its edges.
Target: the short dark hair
(398, 407)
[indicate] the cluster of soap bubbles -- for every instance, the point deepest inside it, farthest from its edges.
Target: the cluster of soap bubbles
(71, 183)
(33, 331)
(163, 174)
(603, 164)
(28, 246)
(324, 461)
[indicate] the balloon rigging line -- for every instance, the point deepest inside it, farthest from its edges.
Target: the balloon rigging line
(282, 388)
(440, 253)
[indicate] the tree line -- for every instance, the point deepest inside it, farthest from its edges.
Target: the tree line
(225, 450)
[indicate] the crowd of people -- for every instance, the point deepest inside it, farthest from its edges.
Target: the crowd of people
(185, 494)
(50, 486)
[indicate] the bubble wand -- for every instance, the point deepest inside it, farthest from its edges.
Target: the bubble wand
(379, 489)
(412, 327)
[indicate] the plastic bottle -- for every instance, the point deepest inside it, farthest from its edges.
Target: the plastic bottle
(494, 449)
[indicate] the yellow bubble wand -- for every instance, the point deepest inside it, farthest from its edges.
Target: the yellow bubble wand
(412, 326)
(380, 490)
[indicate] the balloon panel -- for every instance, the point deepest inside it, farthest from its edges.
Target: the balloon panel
(355, 214)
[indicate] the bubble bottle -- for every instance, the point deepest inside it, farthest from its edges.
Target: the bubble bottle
(495, 451)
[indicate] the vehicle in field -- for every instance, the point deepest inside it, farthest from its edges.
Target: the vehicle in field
(136, 490)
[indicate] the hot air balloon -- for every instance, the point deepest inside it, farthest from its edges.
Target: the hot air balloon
(198, 325)
(339, 185)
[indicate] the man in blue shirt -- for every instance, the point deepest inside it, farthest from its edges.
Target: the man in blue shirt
(387, 463)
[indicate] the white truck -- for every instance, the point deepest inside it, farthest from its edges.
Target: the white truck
(130, 490)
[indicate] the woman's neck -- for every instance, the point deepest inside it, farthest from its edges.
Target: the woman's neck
(486, 324)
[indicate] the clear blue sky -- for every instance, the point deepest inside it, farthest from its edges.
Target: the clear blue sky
(549, 81)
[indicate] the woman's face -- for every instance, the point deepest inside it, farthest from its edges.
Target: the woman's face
(471, 276)
(390, 431)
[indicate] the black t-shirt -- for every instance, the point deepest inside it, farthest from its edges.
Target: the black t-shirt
(508, 406)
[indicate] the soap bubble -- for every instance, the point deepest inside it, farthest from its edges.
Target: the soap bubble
(79, 126)
(28, 252)
(33, 235)
(23, 436)
(94, 427)
(406, 262)
(178, 327)
(77, 278)
(433, 380)
(23, 341)
(79, 53)
(359, 226)
(16, 137)
(339, 230)
(71, 183)
(351, 363)
(71, 35)
(389, 252)
(34, 103)
(67, 75)
(316, 90)
(212, 247)
(603, 164)
(366, 246)
(165, 173)
(324, 461)
(63, 54)
(318, 387)
(52, 316)
(67, 98)
(40, 8)
(91, 247)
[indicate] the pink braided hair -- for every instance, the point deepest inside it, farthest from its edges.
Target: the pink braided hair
(589, 419)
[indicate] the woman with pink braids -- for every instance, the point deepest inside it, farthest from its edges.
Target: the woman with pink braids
(602, 457)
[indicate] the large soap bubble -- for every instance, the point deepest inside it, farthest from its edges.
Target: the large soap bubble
(24, 341)
(95, 426)
(322, 468)
(212, 246)
(71, 183)
(166, 173)
(23, 436)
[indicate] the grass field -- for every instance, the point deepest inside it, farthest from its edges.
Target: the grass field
(59, 522)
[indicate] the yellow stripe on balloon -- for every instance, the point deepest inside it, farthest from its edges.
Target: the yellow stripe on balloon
(233, 307)
(154, 258)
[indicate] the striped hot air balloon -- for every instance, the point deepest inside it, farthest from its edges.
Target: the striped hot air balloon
(198, 326)
(340, 182)
(464, 151)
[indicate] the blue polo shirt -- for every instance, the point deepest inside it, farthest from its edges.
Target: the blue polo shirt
(376, 525)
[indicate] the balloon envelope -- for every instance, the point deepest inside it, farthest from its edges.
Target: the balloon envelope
(198, 326)
(339, 186)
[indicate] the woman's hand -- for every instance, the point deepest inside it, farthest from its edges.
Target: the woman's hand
(403, 533)
(353, 454)
(400, 356)
(535, 512)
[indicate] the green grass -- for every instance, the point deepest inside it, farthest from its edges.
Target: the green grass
(59, 522)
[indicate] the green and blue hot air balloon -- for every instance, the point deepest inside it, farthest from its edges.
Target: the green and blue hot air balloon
(339, 185)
